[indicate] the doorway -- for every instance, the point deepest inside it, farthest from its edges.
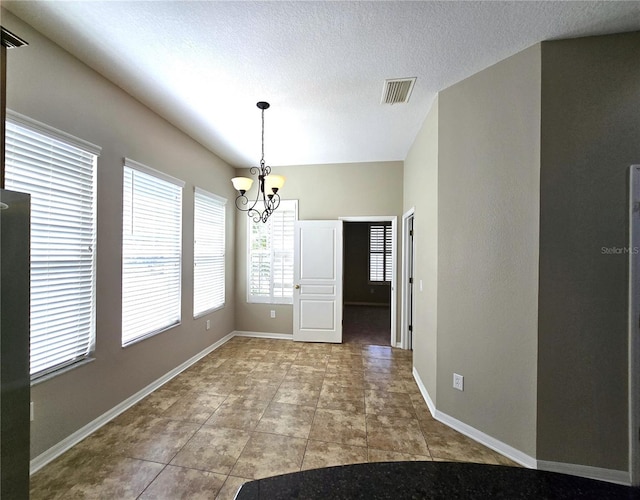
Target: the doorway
(369, 310)
(408, 273)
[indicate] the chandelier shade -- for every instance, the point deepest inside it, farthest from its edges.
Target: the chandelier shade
(242, 184)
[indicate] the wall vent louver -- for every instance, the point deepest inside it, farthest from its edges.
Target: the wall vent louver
(397, 90)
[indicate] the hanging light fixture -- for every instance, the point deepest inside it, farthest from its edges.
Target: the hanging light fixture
(268, 185)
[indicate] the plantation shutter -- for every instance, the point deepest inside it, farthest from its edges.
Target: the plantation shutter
(151, 251)
(270, 270)
(282, 234)
(380, 242)
(208, 252)
(58, 171)
(388, 245)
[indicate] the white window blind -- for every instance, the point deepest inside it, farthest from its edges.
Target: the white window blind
(58, 171)
(151, 251)
(208, 252)
(380, 242)
(270, 272)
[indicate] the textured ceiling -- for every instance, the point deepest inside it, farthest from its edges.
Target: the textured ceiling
(321, 65)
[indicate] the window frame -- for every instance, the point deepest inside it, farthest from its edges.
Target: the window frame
(222, 203)
(67, 142)
(262, 299)
(148, 171)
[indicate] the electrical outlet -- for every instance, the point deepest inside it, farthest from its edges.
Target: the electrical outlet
(31, 413)
(458, 382)
(208, 324)
(273, 313)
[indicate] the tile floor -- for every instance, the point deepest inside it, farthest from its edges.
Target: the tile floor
(255, 408)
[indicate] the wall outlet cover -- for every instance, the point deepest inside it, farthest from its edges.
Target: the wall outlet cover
(458, 382)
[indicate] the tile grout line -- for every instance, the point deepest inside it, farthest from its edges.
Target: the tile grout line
(337, 364)
(252, 431)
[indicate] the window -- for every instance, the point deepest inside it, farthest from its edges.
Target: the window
(208, 252)
(59, 172)
(270, 270)
(380, 242)
(151, 251)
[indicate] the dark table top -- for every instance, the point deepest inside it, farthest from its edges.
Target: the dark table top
(431, 480)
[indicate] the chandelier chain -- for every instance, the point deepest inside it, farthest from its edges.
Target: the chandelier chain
(262, 158)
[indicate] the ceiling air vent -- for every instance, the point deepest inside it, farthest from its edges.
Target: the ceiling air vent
(397, 91)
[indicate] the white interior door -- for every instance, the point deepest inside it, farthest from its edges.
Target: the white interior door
(317, 278)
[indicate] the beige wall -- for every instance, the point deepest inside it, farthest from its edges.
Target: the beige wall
(590, 137)
(421, 194)
(473, 178)
(488, 238)
(323, 192)
(48, 85)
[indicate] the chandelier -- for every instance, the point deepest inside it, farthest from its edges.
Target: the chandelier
(268, 186)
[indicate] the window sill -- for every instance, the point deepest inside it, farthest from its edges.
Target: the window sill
(265, 302)
(150, 334)
(208, 311)
(60, 371)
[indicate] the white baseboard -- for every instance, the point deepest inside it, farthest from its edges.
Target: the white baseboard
(487, 440)
(58, 449)
(613, 476)
(609, 475)
(479, 436)
(264, 335)
(424, 392)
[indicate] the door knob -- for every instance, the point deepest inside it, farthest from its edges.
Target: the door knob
(297, 287)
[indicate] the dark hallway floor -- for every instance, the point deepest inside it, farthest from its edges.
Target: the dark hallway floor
(366, 325)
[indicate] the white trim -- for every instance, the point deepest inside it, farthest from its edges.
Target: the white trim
(58, 449)
(612, 476)
(479, 436)
(264, 335)
(368, 218)
(220, 199)
(52, 132)
(425, 394)
(487, 440)
(634, 332)
(609, 475)
(394, 257)
(404, 303)
(128, 162)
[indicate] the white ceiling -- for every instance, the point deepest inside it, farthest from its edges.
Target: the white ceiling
(203, 65)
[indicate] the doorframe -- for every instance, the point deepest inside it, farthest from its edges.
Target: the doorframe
(394, 222)
(404, 302)
(634, 325)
